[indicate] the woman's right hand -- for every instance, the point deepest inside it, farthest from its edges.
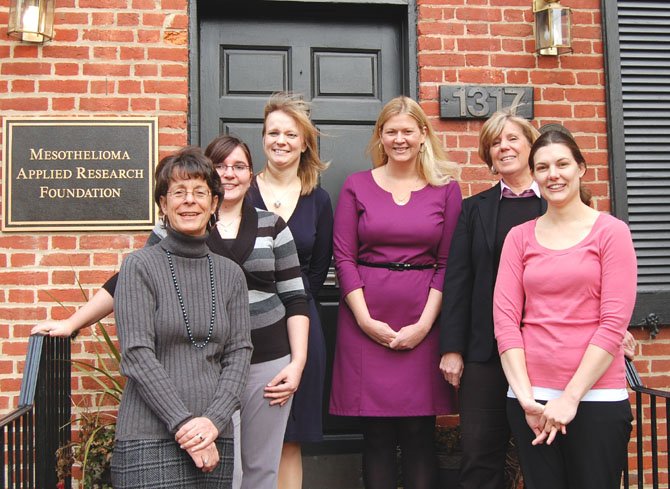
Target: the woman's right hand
(54, 328)
(378, 331)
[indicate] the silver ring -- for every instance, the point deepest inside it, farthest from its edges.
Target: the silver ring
(201, 437)
(205, 460)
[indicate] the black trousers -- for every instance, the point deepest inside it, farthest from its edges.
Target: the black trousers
(591, 455)
(485, 431)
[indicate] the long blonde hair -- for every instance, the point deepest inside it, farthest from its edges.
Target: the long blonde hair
(434, 167)
(310, 166)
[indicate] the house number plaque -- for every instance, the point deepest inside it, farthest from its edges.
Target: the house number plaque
(480, 102)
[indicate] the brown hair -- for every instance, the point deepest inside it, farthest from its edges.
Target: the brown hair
(186, 163)
(493, 127)
(310, 166)
(221, 147)
(559, 137)
(434, 166)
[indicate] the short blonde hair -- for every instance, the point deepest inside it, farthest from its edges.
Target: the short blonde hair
(493, 127)
(434, 166)
(310, 166)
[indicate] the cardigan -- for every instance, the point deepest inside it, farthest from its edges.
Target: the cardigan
(170, 380)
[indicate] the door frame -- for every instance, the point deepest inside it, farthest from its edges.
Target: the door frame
(410, 80)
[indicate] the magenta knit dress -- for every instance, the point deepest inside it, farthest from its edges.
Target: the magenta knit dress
(369, 379)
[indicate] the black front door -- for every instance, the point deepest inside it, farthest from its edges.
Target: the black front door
(348, 60)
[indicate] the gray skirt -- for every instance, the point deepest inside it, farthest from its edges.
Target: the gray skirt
(158, 464)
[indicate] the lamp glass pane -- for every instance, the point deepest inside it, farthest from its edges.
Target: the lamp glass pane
(542, 31)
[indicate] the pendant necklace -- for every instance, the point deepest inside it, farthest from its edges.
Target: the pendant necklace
(226, 227)
(398, 200)
(277, 201)
(181, 301)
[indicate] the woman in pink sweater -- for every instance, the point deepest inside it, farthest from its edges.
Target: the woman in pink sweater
(563, 301)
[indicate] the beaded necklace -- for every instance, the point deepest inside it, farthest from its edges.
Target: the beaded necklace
(181, 301)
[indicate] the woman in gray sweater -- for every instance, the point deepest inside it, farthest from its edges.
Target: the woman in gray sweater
(183, 324)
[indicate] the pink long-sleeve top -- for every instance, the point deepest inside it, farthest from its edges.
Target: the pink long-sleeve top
(554, 303)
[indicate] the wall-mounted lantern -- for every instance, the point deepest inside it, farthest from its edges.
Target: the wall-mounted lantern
(552, 27)
(31, 20)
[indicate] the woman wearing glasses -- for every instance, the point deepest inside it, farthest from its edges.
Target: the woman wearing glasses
(183, 325)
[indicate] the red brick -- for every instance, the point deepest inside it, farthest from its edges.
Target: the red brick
(513, 61)
(22, 278)
(103, 4)
(103, 86)
(7, 385)
(105, 242)
(63, 242)
(148, 36)
(22, 296)
(63, 277)
(168, 54)
(63, 104)
(127, 19)
(487, 45)
(481, 76)
(142, 104)
(486, 14)
(63, 86)
(69, 52)
(60, 295)
(24, 104)
(179, 5)
(71, 18)
(66, 35)
(552, 77)
(113, 35)
(65, 259)
(126, 53)
(167, 87)
(176, 71)
(18, 68)
(105, 52)
(24, 86)
(104, 104)
(172, 122)
(22, 259)
(516, 77)
(23, 313)
(473, 29)
(106, 259)
(66, 69)
(106, 69)
(25, 51)
(103, 19)
(145, 70)
(153, 19)
(512, 30)
(173, 103)
(130, 86)
(144, 4)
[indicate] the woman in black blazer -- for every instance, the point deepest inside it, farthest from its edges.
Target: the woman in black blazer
(470, 358)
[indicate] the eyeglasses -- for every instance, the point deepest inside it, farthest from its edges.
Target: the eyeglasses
(237, 168)
(198, 193)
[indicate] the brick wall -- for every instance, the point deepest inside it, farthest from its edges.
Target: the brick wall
(130, 57)
(108, 57)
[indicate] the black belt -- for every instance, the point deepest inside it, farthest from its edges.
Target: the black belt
(397, 266)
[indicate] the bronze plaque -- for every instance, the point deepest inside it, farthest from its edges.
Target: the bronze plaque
(79, 174)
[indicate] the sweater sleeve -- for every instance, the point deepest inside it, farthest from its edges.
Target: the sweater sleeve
(618, 286)
(452, 208)
(135, 305)
(236, 357)
(290, 287)
(322, 251)
(509, 295)
(345, 239)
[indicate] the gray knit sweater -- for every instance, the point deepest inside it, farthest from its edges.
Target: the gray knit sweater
(170, 380)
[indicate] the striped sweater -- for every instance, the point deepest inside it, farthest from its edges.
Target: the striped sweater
(265, 250)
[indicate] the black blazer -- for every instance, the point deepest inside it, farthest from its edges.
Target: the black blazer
(466, 322)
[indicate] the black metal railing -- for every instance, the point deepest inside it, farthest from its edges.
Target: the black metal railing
(660, 463)
(32, 433)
